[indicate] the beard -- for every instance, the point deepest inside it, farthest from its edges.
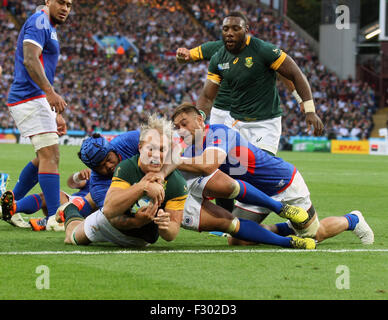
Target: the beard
(236, 48)
(57, 21)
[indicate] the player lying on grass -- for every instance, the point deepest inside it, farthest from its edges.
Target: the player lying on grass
(103, 157)
(136, 210)
(35, 202)
(215, 148)
(121, 220)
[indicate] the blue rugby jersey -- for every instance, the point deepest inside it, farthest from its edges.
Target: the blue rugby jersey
(83, 191)
(245, 161)
(126, 145)
(39, 31)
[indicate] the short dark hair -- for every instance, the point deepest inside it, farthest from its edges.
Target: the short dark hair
(185, 107)
(238, 14)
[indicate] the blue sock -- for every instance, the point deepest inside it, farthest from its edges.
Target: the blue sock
(28, 178)
(253, 232)
(87, 209)
(284, 229)
(29, 204)
(251, 195)
(352, 219)
(49, 183)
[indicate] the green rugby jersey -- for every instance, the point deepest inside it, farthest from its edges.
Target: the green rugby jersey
(251, 76)
(128, 173)
(204, 52)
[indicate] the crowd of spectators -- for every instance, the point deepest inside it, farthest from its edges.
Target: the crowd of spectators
(116, 91)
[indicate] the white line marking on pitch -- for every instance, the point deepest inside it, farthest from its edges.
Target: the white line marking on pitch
(185, 251)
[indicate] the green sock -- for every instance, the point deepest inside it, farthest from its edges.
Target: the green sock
(72, 213)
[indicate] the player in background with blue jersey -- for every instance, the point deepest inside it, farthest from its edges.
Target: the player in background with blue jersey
(214, 148)
(102, 157)
(36, 107)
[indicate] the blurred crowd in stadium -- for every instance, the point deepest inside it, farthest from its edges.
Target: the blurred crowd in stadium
(112, 90)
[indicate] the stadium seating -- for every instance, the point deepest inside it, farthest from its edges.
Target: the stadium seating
(114, 92)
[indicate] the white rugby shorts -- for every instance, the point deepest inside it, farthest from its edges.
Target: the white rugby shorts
(192, 211)
(98, 229)
(297, 194)
(263, 134)
(34, 117)
(218, 116)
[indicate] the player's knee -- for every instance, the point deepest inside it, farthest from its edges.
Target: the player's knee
(234, 189)
(43, 142)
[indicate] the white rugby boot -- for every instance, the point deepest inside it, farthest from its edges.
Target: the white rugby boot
(362, 229)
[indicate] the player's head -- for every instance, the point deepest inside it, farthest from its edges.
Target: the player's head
(188, 122)
(154, 143)
(97, 154)
(59, 10)
(234, 31)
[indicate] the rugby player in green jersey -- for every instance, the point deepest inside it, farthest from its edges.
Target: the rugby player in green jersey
(137, 209)
(221, 106)
(249, 67)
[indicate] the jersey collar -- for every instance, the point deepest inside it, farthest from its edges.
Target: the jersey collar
(248, 41)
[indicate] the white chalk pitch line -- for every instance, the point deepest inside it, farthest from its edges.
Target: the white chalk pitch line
(78, 252)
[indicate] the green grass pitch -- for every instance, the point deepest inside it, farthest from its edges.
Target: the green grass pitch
(199, 266)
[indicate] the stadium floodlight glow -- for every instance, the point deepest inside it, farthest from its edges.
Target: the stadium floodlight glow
(372, 34)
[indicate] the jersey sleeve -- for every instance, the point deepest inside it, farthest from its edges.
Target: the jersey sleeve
(217, 138)
(36, 31)
(205, 51)
(214, 74)
(176, 192)
(120, 177)
(272, 55)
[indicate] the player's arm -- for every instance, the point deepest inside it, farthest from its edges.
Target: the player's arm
(142, 217)
(289, 69)
(183, 56)
(170, 218)
(203, 52)
(212, 84)
(169, 222)
(121, 195)
(207, 96)
(290, 87)
(208, 162)
(34, 67)
(79, 179)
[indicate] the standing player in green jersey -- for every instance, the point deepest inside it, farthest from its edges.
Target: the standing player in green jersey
(249, 67)
(221, 107)
(137, 209)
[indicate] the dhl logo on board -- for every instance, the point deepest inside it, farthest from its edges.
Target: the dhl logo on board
(352, 147)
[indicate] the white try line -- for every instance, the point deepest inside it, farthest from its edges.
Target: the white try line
(78, 252)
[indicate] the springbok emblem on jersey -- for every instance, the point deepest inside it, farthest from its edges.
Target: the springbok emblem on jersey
(248, 62)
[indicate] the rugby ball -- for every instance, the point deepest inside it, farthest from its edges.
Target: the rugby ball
(140, 203)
